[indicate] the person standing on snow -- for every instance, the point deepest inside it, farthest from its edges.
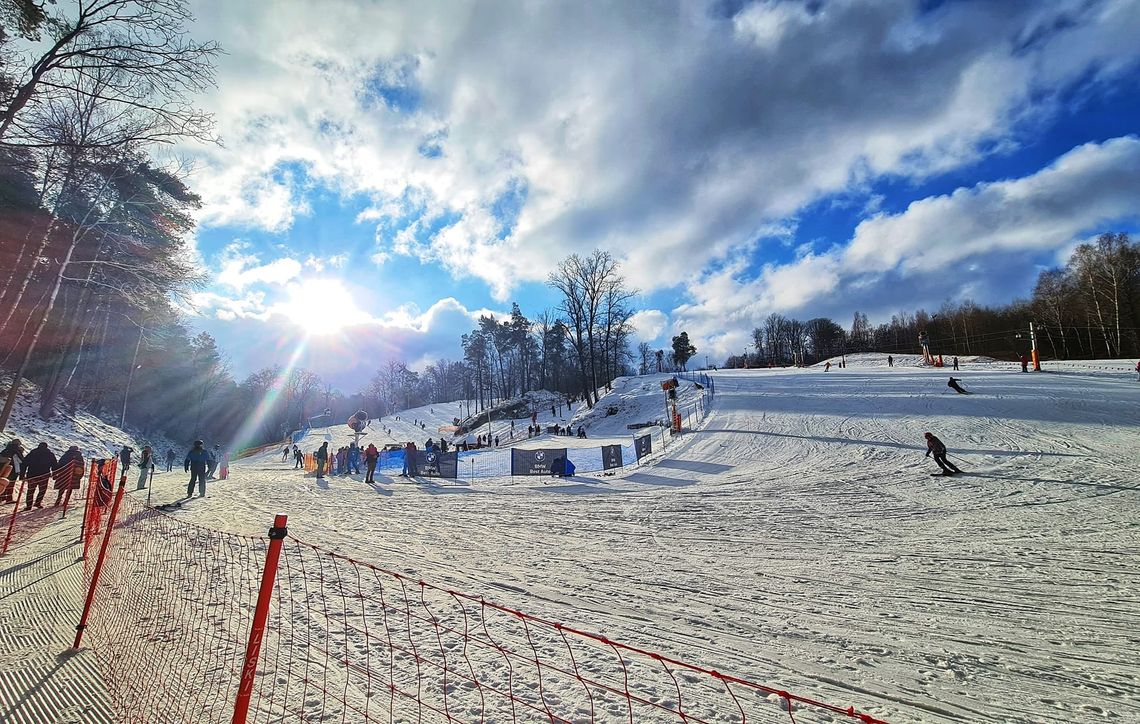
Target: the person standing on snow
(354, 458)
(371, 457)
(69, 475)
(934, 445)
(321, 456)
(298, 458)
(170, 455)
(215, 458)
(955, 364)
(38, 467)
(1024, 363)
(410, 460)
(125, 458)
(11, 462)
(285, 454)
(146, 462)
(196, 463)
(890, 361)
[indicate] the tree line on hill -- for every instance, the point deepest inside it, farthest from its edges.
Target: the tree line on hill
(1087, 309)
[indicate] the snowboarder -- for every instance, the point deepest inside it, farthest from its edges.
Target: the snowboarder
(38, 467)
(953, 384)
(371, 457)
(69, 475)
(827, 366)
(196, 463)
(934, 445)
(285, 454)
(170, 455)
(890, 361)
(321, 456)
(146, 462)
(955, 364)
(125, 458)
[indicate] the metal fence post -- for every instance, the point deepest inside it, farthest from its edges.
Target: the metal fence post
(12, 521)
(257, 631)
(99, 563)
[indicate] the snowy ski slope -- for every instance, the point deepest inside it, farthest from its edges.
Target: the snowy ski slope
(797, 538)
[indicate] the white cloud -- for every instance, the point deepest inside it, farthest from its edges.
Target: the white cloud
(949, 246)
(1090, 185)
(667, 137)
(648, 324)
(239, 269)
(250, 305)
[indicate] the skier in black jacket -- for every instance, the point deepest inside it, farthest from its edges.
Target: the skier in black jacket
(38, 467)
(934, 445)
(195, 464)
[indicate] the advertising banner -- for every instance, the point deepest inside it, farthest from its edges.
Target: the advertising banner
(643, 445)
(534, 462)
(436, 464)
(611, 457)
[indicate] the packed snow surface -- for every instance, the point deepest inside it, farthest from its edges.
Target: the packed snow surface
(796, 537)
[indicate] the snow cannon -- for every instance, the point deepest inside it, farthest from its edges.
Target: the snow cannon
(358, 421)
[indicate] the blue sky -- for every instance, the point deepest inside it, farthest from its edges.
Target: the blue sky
(390, 171)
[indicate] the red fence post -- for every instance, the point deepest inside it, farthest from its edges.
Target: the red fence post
(12, 521)
(99, 563)
(256, 632)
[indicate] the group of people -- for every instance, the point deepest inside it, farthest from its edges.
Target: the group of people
(37, 468)
(344, 461)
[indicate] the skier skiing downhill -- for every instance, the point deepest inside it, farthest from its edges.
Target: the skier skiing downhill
(953, 384)
(934, 445)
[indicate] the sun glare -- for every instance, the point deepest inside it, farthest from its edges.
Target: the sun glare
(321, 307)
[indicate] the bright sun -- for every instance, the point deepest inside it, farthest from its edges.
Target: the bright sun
(320, 307)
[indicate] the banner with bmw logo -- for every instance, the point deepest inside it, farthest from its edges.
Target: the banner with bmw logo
(611, 457)
(643, 445)
(436, 464)
(534, 462)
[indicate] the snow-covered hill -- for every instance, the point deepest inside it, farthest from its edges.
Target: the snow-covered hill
(94, 437)
(797, 537)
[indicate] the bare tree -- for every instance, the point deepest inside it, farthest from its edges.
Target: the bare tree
(157, 67)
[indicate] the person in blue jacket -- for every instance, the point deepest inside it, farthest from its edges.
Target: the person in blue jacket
(196, 462)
